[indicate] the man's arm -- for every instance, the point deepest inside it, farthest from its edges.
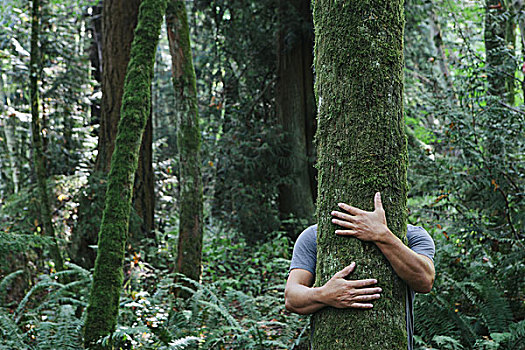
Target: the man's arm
(302, 298)
(415, 269)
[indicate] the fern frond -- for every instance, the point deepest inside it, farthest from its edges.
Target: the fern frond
(6, 280)
(183, 342)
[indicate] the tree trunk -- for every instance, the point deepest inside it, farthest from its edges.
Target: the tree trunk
(38, 154)
(143, 192)
(500, 39)
(102, 311)
(188, 142)
(361, 150)
(119, 18)
(296, 108)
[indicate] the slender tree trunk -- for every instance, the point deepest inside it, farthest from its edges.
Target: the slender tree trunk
(500, 39)
(361, 150)
(102, 311)
(188, 142)
(295, 107)
(38, 154)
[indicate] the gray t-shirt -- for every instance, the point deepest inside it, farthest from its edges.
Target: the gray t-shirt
(305, 257)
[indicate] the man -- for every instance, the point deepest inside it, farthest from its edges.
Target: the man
(414, 264)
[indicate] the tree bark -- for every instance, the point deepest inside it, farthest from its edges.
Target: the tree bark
(296, 108)
(361, 150)
(38, 154)
(103, 305)
(188, 141)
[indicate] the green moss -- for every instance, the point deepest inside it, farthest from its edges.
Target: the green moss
(362, 149)
(102, 311)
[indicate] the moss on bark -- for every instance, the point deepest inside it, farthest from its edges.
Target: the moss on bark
(361, 150)
(102, 311)
(188, 141)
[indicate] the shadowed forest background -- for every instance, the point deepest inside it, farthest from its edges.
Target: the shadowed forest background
(251, 146)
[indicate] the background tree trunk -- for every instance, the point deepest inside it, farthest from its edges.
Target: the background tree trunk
(188, 142)
(119, 19)
(102, 311)
(296, 108)
(38, 154)
(361, 150)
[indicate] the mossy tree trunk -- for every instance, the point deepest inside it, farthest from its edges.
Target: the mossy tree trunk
(103, 305)
(38, 153)
(500, 40)
(361, 149)
(188, 141)
(119, 19)
(296, 107)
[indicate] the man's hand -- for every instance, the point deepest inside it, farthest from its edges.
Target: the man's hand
(364, 225)
(341, 293)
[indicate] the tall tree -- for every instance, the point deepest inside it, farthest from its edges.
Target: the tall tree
(188, 142)
(38, 153)
(361, 150)
(103, 305)
(119, 18)
(500, 38)
(295, 104)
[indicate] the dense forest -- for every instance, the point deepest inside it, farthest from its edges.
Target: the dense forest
(159, 159)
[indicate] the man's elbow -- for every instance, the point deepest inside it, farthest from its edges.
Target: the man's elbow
(425, 285)
(288, 304)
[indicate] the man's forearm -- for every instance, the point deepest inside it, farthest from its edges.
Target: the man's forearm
(303, 300)
(416, 270)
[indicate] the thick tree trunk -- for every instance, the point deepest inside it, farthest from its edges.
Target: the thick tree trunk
(296, 107)
(188, 142)
(361, 150)
(102, 311)
(119, 18)
(38, 154)
(500, 38)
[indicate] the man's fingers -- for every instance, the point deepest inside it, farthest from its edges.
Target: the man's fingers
(363, 291)
(378, 204)
(371, 297)
(345, 232)
(346, 271)
(343, 223)
(362, 283)
(361, 306)
(350, 209)
(342, 216)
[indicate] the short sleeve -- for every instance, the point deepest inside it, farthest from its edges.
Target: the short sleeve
(305, 250)
(420, 241)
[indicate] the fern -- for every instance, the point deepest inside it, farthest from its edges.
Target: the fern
(10, 335)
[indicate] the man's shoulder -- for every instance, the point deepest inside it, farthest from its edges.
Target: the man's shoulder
(416, 232)
(309, 235)
(420, 241)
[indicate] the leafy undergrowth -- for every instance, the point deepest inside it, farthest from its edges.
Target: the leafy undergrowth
(238, 305)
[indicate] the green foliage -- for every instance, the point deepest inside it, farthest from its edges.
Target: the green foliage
(49, 315)
(223, 310)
